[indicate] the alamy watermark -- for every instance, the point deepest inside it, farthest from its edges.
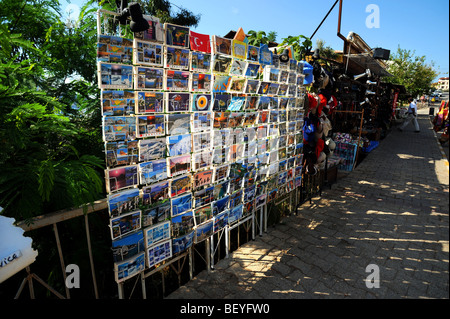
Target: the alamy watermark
(73, 278)
(373, 279)
(373, 19)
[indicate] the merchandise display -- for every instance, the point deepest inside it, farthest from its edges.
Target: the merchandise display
(194, 127)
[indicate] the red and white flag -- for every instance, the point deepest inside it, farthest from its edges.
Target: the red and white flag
(200, 42)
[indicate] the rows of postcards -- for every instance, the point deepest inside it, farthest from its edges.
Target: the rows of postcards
(195, 138)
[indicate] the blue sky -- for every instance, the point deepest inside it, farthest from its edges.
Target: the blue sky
(420, 26)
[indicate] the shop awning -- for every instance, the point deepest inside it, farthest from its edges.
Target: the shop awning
(366, 61)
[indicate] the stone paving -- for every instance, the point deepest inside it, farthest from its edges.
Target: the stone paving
(391, 211)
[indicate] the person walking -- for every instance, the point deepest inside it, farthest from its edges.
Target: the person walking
(411, 115)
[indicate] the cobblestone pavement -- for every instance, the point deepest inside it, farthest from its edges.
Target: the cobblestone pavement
(391, 211)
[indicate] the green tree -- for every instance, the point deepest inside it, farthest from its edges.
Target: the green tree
(51, 152)
(272, 36)
(300, 44)
(326, 52)
(411, 71)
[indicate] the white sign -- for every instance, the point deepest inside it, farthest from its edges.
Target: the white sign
(6, 260)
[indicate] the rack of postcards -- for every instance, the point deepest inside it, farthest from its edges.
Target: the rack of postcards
(200, 133)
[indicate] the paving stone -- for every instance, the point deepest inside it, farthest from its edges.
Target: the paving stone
(390, 211)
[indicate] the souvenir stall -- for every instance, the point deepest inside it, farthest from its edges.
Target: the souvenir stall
(201, 133)
(349, 94)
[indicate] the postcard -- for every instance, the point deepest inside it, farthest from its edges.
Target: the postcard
(181, 204)
(221, 172)
(176, 80)
(199, 42)
(147, 78)
(265, 55)
(204, 231)
(222, 64)
(283, 89)
(129, 268)
(239, 49)
(121, 153)
(238, 67)
(236, 184)
(176, 35)
(150, 125)
(204, 196)
(203, 178)
(179, 165)
(220, 205)
(221, 189)
(177, 102)
(264, 87)
(237, 103)
(201, 82)
(271, 74)
(154, 171)
(149, 102)
(180, 185)
(201, 141)
(221, 101)
(121, 177)
(250, 134)
(202, 214)
(202, 121)
(147, 53)
(236, 198)
(220, 120)
(298, 181)
(273, 88)
(155, 194)
(222, 45)
(154, 33)
(260, 201)
(115, 76)
(157, 233)
(249, 208)
(220, 221)
(220, 155)
(250, 118)
(117, 102)
(178, 124)
(235, 119)
(152, 149)
(251, 87)
(114, 49)
(176, 58)
(156, 214)
(201, 160)
(252, 70)
(253, 53)
(179, 144)
(237, 85)
(201, 102)
(128, 246)
(159, 252)
(272, 195)
(261, 132)
(182, 243)
(264, 102)
(221, 84)
(200, 62)
(235, 213)
(123, 202)
(125, 224)
(284, 75)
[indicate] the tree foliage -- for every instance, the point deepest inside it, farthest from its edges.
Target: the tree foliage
(301, 45)
(51, 150)
(411, 71)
